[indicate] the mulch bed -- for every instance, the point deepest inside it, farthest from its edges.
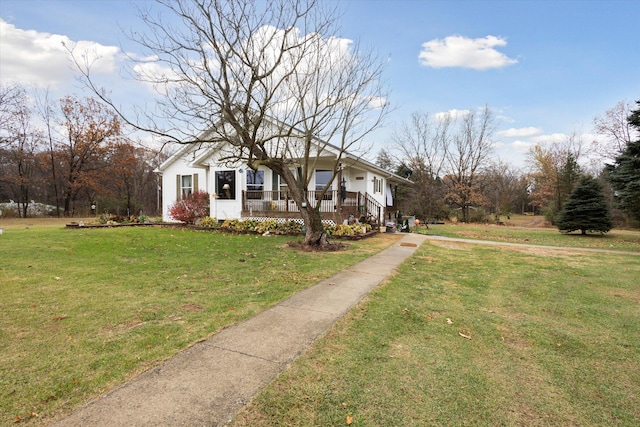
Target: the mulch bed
(329, 247)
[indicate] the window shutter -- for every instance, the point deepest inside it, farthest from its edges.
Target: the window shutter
(178, 188)
(195, 182)
(274, 181)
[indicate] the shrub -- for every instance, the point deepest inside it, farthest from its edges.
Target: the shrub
(103, 218)
(269, 225)
(289, 227)
(208, 222)
(248, 225)
(345, 230)
(230, 224)
(191, 208)
(238, 225)
(8, 212)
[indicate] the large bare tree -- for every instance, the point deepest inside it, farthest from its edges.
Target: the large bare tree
(270, 81)
(423, 144)
(614, 131)
(447, 156)
(468, 155)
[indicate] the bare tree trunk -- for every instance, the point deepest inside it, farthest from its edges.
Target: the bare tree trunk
(46, 114)
(314, 229)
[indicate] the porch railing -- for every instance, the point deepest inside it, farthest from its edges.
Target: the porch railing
(342, 203)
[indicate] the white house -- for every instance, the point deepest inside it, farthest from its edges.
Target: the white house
(360, 189)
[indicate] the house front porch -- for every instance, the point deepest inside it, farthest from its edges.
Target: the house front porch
(335, 206)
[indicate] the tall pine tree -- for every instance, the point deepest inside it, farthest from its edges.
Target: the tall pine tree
(586, 209)
(625, 174)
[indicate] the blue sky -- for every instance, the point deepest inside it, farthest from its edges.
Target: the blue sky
(545, 68)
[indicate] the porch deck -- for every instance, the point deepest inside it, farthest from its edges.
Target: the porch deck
(334, 205)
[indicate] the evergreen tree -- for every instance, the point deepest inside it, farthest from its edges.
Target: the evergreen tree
(625, 174)
(586, 209)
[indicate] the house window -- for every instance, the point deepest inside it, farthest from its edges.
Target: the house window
(377, 185)
(185, 185)
(226, 184)
(279, 187)
(323, 177)
(255, 184)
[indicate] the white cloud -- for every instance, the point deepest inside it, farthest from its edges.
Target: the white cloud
(154, 74)
(522, 146)
(459, 51)
(552, 138)
(41, 59)
(452, 114)
(498, 144)
(377, 101)
(519, 132)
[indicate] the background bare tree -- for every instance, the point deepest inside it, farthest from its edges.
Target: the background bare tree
(468, 155)
(269, 80)
(19, 146)
(423, 144)
(447, 157)
(614, 129)
(506, 190)
(73, 149)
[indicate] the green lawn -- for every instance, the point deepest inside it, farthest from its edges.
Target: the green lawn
(476, 335)
(82, 310)
(619, 240)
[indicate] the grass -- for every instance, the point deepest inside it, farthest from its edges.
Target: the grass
(83, 310)
(474, 335)
(619, 240)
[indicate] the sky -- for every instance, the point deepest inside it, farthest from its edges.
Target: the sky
(545, 68)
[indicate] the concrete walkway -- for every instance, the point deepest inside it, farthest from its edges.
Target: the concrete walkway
(210, 382)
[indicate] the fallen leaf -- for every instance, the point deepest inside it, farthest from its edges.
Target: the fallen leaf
(17, 419)
(464, 334)
(405, 311)
(349, 420)
(449, 321)
(559, 344)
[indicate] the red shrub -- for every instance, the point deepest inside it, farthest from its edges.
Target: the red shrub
(191, 208)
